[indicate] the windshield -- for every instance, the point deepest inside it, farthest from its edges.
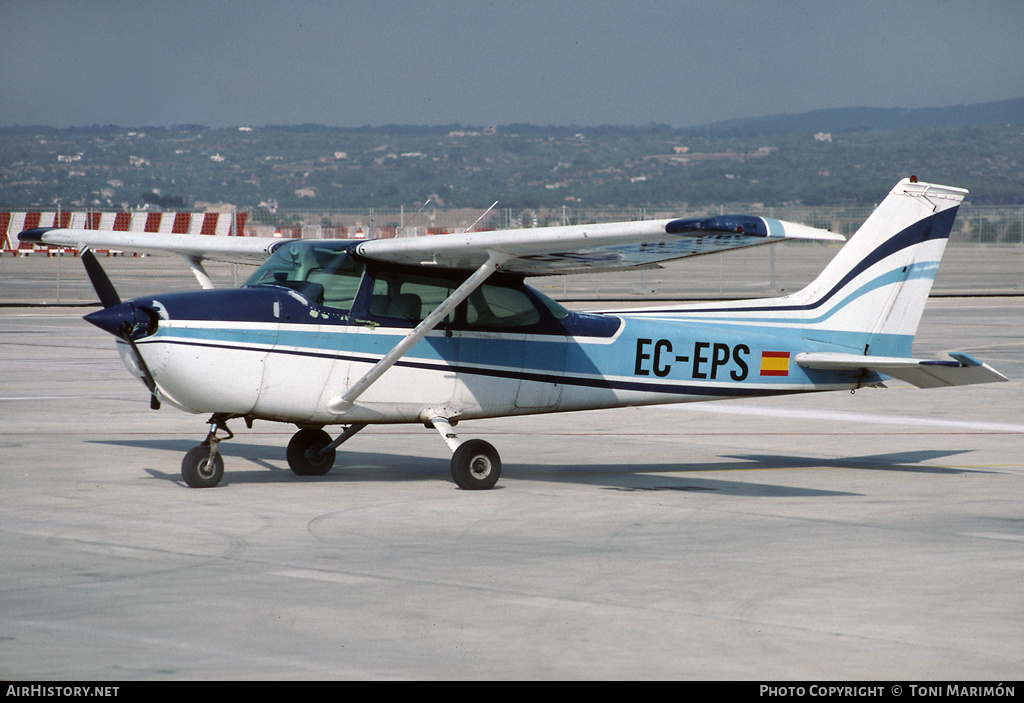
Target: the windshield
(321, 272)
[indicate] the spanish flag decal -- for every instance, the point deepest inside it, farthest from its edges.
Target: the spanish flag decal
(774, 363)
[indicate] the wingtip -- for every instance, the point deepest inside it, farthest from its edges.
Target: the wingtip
(34, 236)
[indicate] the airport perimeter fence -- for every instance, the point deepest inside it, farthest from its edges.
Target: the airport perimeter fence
(986, 253)
(975, 224)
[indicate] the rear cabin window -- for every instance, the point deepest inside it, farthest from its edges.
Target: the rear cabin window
(497, 306)
(411, 298)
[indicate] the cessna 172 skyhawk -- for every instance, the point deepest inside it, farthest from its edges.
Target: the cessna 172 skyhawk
(440, 329)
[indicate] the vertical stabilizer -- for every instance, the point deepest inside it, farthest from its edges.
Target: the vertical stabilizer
(877, 285)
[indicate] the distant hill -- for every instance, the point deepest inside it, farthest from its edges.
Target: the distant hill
(826, 157)
(852, 119)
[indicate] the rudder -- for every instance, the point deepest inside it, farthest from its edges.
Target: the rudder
(877, 285)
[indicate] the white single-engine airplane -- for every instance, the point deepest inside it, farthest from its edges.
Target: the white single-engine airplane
(440, 329)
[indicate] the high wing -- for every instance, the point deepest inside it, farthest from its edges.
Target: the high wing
(239, 250)
(591, 248)
(194, 248)
(532, 252)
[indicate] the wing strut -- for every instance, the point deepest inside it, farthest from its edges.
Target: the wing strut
(343, 403)
(196, 264)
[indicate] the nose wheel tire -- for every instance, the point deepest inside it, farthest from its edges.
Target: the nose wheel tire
(303, 453)
(198, 470)
(476, 465)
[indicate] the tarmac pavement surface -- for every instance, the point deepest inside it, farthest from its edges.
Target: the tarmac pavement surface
(875, 535)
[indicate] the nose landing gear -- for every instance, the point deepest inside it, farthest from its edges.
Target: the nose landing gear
(203, 466)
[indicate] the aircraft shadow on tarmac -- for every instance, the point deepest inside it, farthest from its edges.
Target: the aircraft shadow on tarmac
(352, 466)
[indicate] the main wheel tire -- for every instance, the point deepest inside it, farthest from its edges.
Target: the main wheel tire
(303, 457)
(198, 471)
(476, 465)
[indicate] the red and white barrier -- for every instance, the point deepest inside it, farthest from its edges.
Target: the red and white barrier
(210, 223)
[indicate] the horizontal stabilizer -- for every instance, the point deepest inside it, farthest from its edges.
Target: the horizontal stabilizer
(958, 370)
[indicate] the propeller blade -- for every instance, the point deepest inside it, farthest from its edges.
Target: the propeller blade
(147, 376)
(114, 321)
(104, 288)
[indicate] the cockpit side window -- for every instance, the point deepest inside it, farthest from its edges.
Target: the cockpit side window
(411, 297)
(408, 297)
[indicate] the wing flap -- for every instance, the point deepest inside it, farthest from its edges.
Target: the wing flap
(591, 248)
(958, 370)
(242, 250)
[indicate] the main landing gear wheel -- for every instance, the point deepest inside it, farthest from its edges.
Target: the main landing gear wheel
(303, 454)
(476, 465)
(199, 470)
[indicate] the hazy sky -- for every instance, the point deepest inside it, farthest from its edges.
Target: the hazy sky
(546, 62)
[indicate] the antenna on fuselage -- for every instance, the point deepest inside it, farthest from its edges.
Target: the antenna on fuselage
(482, 216)
(406, 224)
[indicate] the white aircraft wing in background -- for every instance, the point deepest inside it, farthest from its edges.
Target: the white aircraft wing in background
(239, 250)
(194, 248)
